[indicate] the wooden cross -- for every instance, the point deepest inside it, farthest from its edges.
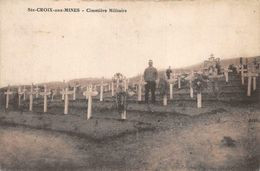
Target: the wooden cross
(256, 66)
(179, 82)
(190, 78)
(171, 91)
(45, 94)
(74, 91)
(63, 90)
(66, 94)
(226, 71)
(54, 92)
(250, 75)
(253, 68)
(242, 70)
(19, 96)
(31, 93)
(199, 96)
(20, 93)
(254, 80)
(7, 93)
(89, 93)
(121, 101)
(140, 84)
(101, 90)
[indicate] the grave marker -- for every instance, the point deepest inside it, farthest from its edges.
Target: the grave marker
(226, 71)
(140, 84)
(54, 92)
(250, 75)
(75, 91)
(179, 81)
(20, 93)
(66, 94)
(253, 69)
(7, 93)
(63, 90)
(242, 70)
(171, 82)
(121, 101)
(117, 78)
(89, 93)
(190, 78)
(45, 94)
(31, 93)
(171, 91)
(101, 90)
(191, 90)
(198, 85)
(190, 81)
(254, 82)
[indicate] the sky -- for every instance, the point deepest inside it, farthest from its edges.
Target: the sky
(41, 47)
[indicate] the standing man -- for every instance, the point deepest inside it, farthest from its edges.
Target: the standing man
(150, 77)
(169, 73)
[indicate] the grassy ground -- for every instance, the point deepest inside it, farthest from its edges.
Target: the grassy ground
(220, 136)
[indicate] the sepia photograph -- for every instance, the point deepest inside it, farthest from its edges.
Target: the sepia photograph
(144, 85)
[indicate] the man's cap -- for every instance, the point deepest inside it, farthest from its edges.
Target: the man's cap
(150, 60)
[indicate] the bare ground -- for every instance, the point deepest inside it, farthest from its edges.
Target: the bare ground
(219, 137)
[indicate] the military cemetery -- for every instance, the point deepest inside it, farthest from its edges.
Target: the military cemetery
(130, 86)
(212, 83)
(195, 87)
(120, 98)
